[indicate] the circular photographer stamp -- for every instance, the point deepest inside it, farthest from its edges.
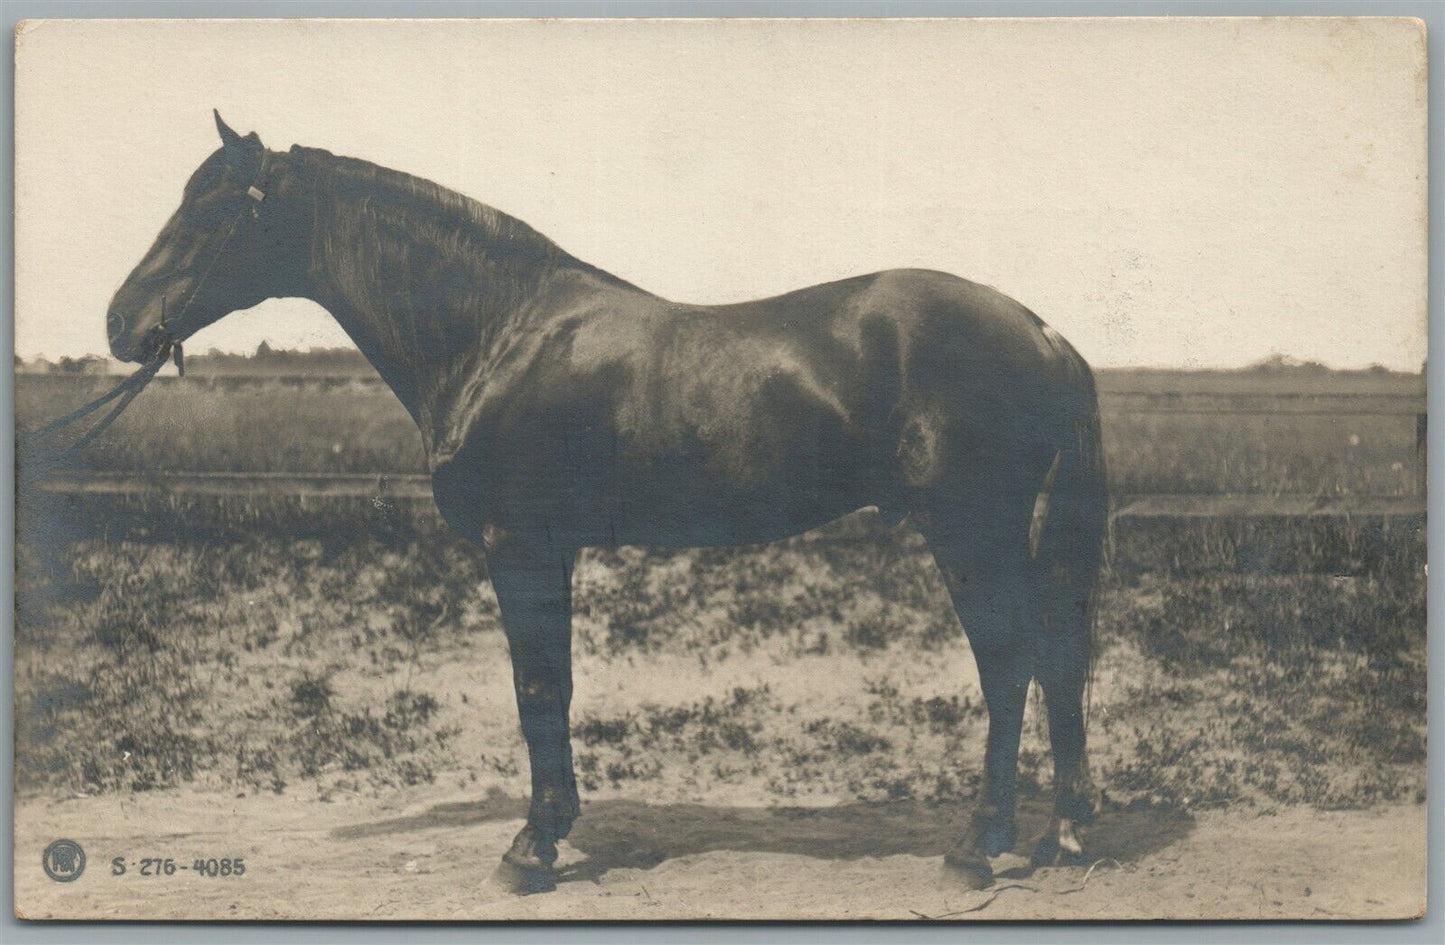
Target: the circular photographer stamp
(64, 861)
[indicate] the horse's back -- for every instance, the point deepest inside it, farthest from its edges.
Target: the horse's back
(939, 310)
(963, 329)
(934, 342)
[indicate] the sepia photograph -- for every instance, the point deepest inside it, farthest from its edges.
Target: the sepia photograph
(814, 469)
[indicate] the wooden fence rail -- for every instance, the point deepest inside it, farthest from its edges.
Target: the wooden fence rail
(411, 487)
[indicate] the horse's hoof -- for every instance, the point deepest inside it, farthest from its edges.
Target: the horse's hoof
(522, 879)
(1059, 846)
(971, 866)
(1079, 809)
(1046, 851)
(1046, 854)
(997, 837)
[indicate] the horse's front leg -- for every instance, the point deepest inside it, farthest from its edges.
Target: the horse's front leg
(534, 590)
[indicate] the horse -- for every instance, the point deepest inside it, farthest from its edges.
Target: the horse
(563, 408)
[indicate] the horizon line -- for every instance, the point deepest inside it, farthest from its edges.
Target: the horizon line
(1276, 359)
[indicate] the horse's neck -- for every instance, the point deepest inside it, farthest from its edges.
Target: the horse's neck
(417, 285)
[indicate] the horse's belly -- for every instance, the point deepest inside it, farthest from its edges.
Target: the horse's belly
(674, 502)
(672, 515)
(772, 489)
(665, 501)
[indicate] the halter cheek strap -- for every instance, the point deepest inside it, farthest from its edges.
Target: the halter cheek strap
(257, 195)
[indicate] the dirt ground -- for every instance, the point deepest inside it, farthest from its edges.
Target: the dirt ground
(811, 752)
(433, 856)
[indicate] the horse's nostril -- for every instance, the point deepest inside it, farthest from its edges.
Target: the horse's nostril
(115, 323)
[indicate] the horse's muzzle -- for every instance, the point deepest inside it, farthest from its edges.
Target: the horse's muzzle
(124, 345)
(131, 346)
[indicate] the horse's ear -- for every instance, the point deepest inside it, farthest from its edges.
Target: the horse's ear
(229, 138)
(241, 153)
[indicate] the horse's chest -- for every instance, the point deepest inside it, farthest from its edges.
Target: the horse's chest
(522, 476)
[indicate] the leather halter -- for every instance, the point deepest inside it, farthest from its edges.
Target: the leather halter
(257, 195)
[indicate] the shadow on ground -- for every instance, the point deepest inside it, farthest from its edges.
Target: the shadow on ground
(622, 834)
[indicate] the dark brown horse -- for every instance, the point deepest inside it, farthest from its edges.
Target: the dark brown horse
(562, 408)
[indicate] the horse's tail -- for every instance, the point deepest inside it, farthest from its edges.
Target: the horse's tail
(1075, 544)
(1083, 496)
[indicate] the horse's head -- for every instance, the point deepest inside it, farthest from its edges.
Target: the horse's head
(233, 242)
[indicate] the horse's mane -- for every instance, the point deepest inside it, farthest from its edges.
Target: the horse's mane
(466, 269)
(457, 221)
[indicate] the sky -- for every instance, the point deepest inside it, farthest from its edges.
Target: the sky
(1185, 193)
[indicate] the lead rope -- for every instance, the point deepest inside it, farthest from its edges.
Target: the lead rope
(126, 390)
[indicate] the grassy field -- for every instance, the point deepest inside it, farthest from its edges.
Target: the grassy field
(1239, 662)
(350, 425)
(161, 643)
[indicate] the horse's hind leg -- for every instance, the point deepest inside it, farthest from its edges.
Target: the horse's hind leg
(1069, 555)
(988, 578)
(1062, 669)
